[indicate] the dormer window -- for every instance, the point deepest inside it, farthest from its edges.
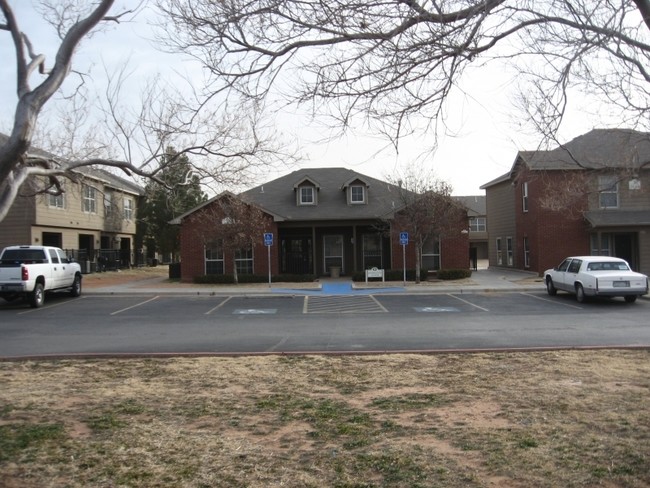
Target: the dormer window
(306, 191)
(357, 194)
(307, 195)
(356, 191)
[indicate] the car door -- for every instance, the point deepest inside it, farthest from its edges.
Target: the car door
(571, 275)
(57, 271)
(67, 274)
(559, 274)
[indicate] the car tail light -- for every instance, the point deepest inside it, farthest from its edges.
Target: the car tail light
(24, 273)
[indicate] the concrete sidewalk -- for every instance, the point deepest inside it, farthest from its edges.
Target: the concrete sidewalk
(483, 280)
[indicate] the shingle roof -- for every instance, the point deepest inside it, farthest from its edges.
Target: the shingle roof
(597, 149)
(278, 196)
(475, 204)
(104, 176)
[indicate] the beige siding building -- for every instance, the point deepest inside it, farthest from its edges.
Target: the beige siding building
(94, 219)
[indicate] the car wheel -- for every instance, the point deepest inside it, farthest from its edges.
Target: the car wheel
(580, 293)
(75, 291)
(630, 298)
(37, 296)
(550, 287)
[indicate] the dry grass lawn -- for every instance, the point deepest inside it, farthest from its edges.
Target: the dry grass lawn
(551, 419)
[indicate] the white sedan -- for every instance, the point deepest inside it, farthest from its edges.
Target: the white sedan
(590, 276)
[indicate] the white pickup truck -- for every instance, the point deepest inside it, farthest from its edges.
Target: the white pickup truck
(30, 271)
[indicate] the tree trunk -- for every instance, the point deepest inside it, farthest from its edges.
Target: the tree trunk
(234, 270)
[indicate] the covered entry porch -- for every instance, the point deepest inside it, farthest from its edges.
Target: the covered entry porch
(329, 248)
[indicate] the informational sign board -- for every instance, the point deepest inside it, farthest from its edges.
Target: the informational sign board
(268, 239)
(403, 238)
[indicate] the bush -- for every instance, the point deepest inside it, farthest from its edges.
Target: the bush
(393, 275)
(453, 274)
(222, 279)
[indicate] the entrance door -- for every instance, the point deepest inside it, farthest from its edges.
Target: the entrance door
(296, 257)
(332, 253)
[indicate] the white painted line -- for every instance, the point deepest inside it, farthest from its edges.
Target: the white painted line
(218, 306)
(379, 304)
(305, 304)
(136, 305)
(45, 307)
(553, 301)
(468, 303)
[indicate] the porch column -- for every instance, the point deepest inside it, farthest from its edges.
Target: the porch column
(354, 248)
(313, 250)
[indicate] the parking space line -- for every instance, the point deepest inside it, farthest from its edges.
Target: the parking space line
(379, 304)
(134, 306)
(218, 306)
(468, 303)
(46, 307)
(552, 301)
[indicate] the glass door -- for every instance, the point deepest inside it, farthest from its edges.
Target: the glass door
(333, 253)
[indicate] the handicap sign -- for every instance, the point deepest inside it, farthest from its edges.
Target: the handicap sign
(268, 239)
(403, 238)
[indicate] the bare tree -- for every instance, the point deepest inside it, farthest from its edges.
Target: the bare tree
(427, 210)
(229, 140)
(395, 61)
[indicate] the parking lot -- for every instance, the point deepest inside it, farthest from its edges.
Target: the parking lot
(168, 324)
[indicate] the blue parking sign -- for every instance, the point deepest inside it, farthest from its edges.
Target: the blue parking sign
(268, 239)
(403, 238)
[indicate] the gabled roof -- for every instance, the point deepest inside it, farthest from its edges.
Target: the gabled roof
(597, 149)
(277, 196)
(306, 179)
(475, 204)
(109, 179)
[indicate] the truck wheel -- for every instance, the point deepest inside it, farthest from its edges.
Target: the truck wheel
(37, 296)
(630, 298)
(75, 291)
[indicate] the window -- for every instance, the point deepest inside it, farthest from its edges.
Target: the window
(477, 224)
(57, 201)
(499, 252)
(564, 265)
(244, 261)
(108, 204)
(431, 254)
(89, 202)
(54, 257)
(600, 245)
(214, 258)
(128, 209)
(524, 196)
(307, 195)
(574, 267)
(526, 253)
(608, 191)
(510, 251)
(357, 194)
(371, 251)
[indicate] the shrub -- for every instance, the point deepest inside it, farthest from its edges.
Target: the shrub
(247, 278)
(453, 274)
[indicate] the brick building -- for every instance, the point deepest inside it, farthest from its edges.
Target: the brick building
(589, 196)
(324, 222)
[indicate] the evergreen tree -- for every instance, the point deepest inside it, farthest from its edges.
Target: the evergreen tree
(181, 192)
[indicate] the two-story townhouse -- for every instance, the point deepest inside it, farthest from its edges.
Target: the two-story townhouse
(94, 218)
(324, 221)
(477, 228)
(588, 196)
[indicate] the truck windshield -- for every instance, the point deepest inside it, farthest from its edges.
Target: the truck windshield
(25, 256)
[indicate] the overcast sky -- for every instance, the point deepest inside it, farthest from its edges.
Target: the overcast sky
(482, 134)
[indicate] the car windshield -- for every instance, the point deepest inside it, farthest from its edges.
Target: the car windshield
(608, 266)
(26, 256)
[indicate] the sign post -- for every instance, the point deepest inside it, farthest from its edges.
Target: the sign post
(268, 242)
(404, 240)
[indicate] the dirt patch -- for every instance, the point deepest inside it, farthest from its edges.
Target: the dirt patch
(508, 420)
